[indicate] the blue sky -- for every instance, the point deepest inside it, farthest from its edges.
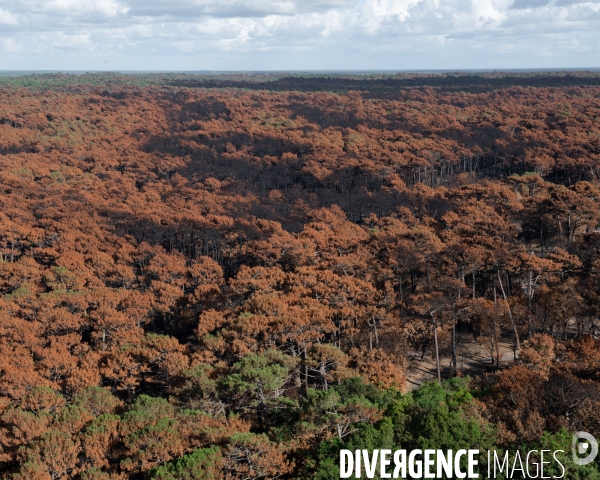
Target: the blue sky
(298, 34)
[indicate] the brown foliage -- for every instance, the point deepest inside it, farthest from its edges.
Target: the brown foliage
(151, 238)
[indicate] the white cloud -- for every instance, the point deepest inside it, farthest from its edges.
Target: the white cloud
(7, 18)
(396, 8)
(109, 8)
(233, 8)
(233, 34)
(59, 39)
(9, 45)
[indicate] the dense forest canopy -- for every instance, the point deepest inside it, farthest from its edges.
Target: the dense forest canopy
(212, 276)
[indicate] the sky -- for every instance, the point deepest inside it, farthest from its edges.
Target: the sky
(298, 34)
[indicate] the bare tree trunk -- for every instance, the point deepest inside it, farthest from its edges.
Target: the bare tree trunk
(570, 235)
(495, 337)
(305, 372)
(428, 276)
(401, 296)
(437, 351)
(400, 287)
(454, 346)
(512, 320)
(324, 376)
(560, 232)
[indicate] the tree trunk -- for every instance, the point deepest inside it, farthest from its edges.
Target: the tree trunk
(305, 365)
(454, 346)
(529, 302)
(428, 276)
(437, 351)
(512, 320)
(560, 233)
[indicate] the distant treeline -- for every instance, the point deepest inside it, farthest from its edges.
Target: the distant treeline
(311, 82)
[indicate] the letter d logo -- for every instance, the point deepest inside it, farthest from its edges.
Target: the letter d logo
(583, 443)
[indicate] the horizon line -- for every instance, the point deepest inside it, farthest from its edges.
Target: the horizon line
(20, 72)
